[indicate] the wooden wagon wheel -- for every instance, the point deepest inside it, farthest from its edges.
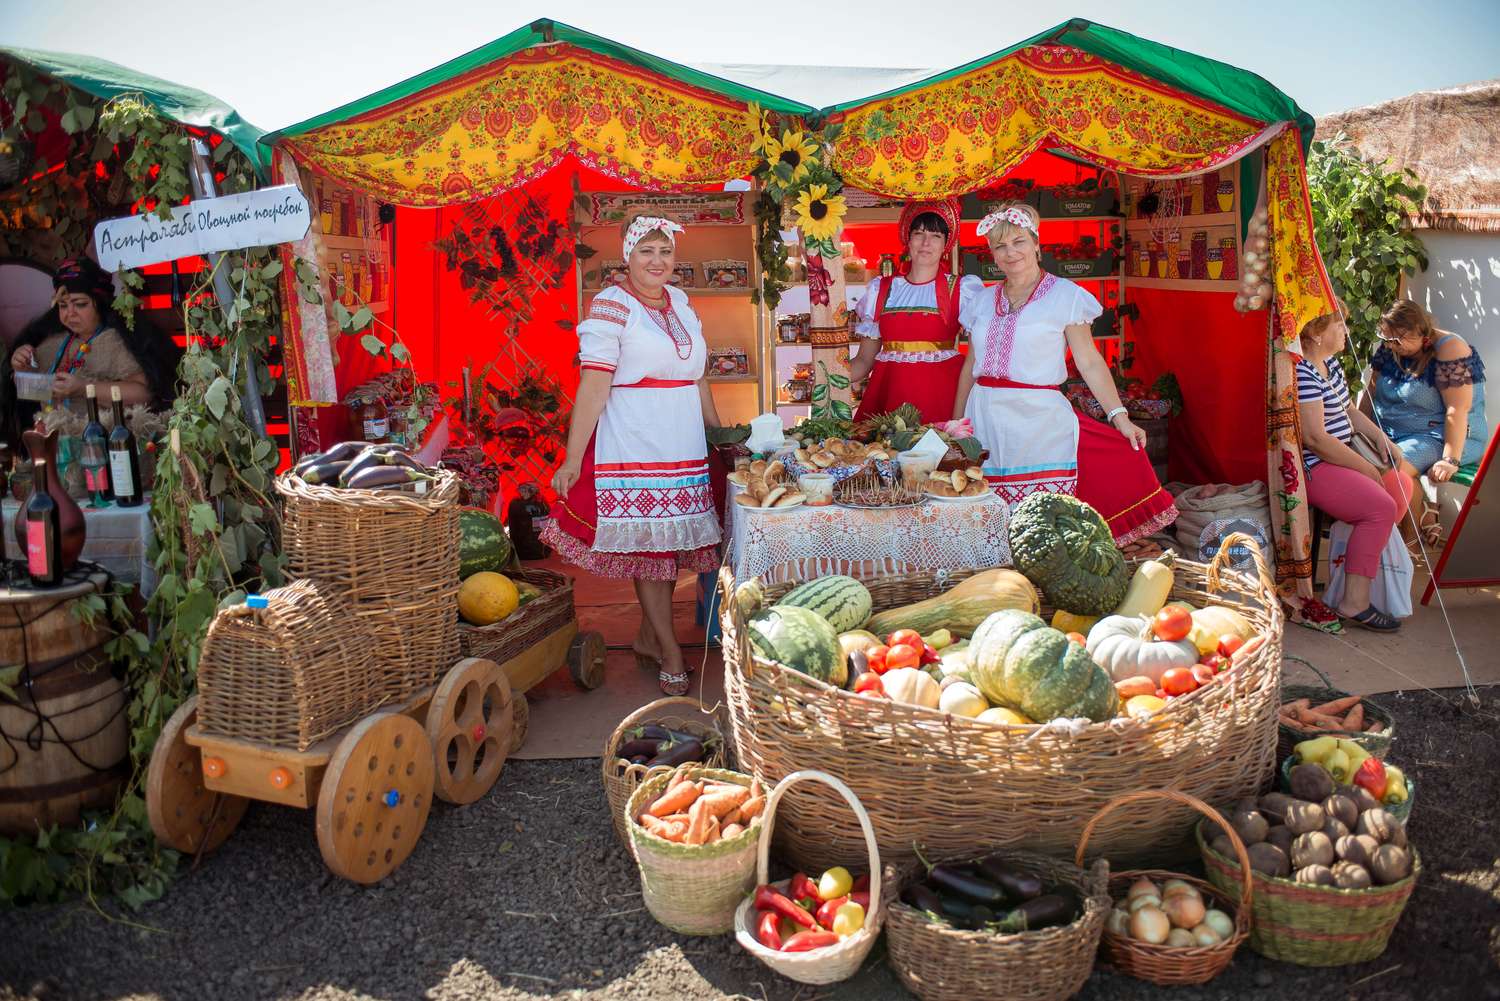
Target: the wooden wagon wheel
(471, 723)
(376, 793)
(521, 714)
(586, 660)
(185, 814)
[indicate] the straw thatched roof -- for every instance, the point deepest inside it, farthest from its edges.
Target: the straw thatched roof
(1450, 138)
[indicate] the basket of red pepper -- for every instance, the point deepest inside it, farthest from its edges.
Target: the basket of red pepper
(814, 932)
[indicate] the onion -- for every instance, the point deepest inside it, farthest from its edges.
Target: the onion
(1251, 257)
(1144, 900)
(1143, 886)
(1181, 938)
(1219, 922)
(1118, 923)
(1258, 244)
(1184, 911)
(1173, 887)
(1149, 924)
(1204, 935)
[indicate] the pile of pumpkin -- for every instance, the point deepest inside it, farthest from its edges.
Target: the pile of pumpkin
(981, 650)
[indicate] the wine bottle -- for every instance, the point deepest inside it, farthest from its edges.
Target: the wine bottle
(43, 534)
(124, 465)
(94, 453)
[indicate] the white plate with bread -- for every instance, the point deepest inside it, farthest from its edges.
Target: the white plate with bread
(956, 486)
(766, 487)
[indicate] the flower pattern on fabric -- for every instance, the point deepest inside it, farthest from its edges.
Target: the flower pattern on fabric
(627, 566)
(508, 122)
(1465, 371)
(1291, 526)
(1300, 284)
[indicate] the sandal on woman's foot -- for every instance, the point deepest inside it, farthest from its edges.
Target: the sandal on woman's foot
(1374, 620)
(1429, 527)
(673, 684)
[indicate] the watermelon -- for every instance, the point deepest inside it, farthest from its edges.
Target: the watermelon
(798, 638)
(482, 544)
(843, 601)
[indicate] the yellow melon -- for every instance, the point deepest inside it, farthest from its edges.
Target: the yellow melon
(486, 597)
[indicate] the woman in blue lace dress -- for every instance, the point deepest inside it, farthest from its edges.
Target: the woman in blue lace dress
(1428, 395)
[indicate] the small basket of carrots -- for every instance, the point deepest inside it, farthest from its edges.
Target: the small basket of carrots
(1322, 710)
(813, 932)
(693, 831)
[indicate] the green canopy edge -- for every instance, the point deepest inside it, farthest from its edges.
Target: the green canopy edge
(104, 80)
(537, 33)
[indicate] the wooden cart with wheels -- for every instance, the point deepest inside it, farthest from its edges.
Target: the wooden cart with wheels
(371, 783)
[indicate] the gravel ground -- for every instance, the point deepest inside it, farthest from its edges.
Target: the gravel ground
(526, 894)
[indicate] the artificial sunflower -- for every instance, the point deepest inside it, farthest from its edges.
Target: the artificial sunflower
(795, 149)
(819, 215)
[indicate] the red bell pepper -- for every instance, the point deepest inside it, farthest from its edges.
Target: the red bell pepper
(806, 941)
(800, 888)
(929, 655)
(861, 883)
(766, 930)
(1371, 777)
(828, 909)
(862, 898)
(767, 899)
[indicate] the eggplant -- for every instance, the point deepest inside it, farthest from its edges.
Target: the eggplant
(344, 451)
(651, 730)
(379, 476)
(679, 753)
(1020, 885)
(955, 908)
(923, 898)
(1040, 912)
(323, 473)
(367, 459)
(641, 745)
(639, 759)
(859, 664)
(953, 879)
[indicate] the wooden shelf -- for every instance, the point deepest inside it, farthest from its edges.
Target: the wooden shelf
(729, 380)
(1190, 221)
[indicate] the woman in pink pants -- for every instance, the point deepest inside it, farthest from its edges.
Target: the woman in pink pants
(1339, 480)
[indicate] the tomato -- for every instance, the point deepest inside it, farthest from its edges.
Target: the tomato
(901, 655)
(1078, 638)
(1202, 673)
(1161, 694)
(1172, 623)
(1178, 681)
(1229, 643)
(905, 637)
(929, 655)
(869, 684)
(1217, 661)
(875, 657)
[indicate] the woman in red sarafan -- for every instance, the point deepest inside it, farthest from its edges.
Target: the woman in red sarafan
(634, 495)
(910, 322)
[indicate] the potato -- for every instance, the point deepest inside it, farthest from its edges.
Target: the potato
(1251, 827)
(1348, 876)
(1274, 804)
(1247, 804)
(1342, 808)
(1313, 848)
(1356, 848)
(1362, 799)
(1390, 865)
(1311, 782)
(1316, 875)
(1302, 818)
(1269, 860)
(1282, 837)
(1222, 845)
(1378, 824)
(1334, 828)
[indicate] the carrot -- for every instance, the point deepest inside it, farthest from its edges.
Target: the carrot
(713, 831)
(680, 776)
(1139, 685)
(1356, 719)
(663, 829)
(1338, 706)
(720, 804)
(1316, 721)
(755, 789)
(697, 829)
(674, 800)
(676, 818)
(730, 830)
(1296, 704)
(751, 808)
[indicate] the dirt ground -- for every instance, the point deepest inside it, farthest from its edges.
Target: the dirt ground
(526, 894)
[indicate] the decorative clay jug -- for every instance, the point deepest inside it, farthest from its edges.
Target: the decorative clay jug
(69, 515)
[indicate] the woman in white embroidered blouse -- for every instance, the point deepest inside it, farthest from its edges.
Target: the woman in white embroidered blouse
(634, 494)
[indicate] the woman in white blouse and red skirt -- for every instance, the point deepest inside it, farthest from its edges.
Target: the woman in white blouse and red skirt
(634, 494)
(1020, 332)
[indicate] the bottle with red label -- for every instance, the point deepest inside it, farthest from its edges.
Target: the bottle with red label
(43, 534)
(94, 454)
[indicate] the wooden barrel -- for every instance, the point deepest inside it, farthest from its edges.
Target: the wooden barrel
(64, 738)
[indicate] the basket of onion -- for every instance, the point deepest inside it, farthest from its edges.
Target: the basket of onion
(1169, 928)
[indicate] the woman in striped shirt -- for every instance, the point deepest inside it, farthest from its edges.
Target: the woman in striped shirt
(1340, 481)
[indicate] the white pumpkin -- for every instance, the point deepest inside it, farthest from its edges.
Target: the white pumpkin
(914, 687)
(1125, 647)
(962, 699)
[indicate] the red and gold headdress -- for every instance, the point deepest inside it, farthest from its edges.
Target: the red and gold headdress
(946, 209)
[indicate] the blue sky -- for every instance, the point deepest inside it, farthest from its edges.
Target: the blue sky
(280, 62)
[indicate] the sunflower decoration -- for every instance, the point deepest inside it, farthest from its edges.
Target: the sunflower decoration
(819, 215)
(796, 151)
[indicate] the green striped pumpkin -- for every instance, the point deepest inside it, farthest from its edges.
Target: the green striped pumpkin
(1020, 661)
(843, 601)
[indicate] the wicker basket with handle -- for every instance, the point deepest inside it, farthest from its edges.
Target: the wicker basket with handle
(1174, 965)
(832, 963)
(621, 777)
(924, 775)
(938, 962)
(395, 556)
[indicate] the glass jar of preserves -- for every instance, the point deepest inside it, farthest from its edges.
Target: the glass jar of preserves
(370, 413)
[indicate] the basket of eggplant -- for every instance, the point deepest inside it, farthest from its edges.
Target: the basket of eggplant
(656, 738)
(1024, 920)
(358, 465)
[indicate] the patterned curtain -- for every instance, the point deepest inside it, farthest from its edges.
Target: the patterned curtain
(830, 334)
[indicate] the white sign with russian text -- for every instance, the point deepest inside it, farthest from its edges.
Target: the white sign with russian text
(208, 225)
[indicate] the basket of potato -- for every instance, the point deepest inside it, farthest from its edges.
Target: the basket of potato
(765, 486)
(1332, 869)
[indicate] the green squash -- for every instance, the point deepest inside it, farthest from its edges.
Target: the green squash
(1063, 546)
(1020, 661)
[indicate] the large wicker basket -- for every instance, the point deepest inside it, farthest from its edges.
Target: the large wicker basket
(291, 673)
(621, 777)
(938, 962)
(522, 629)
(925, 776)
(395, 557)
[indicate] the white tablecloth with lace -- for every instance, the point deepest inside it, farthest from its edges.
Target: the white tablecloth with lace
(801, 543)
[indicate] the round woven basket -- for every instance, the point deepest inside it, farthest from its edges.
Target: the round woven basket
(1401, 811)
(692, 889)
(395, 557)
(1175, 965)
(832, 963)
(621, 778)
(924, 775)
(1378, 744)
(1314, 925)
(938, 962)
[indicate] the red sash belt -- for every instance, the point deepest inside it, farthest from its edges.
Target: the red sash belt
(656, 384)
(994, 383)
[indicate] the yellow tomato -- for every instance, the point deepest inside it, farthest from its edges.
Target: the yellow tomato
(1143, 705)
(835, 883)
